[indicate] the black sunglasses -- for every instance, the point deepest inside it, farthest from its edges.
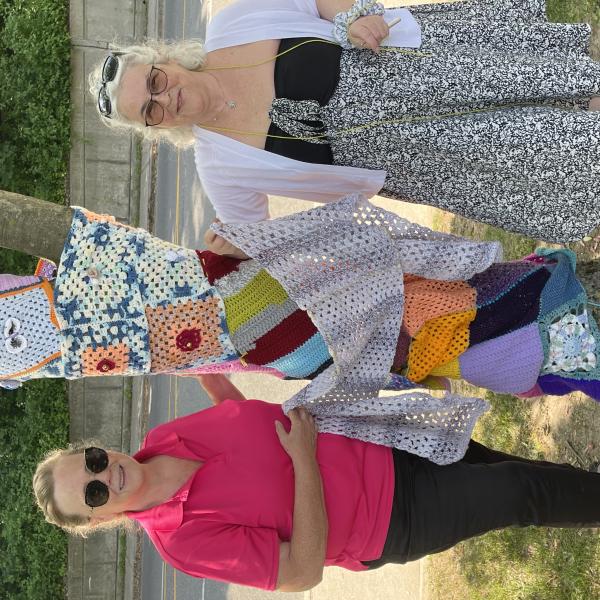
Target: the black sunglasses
(109, 72)
(96, 492)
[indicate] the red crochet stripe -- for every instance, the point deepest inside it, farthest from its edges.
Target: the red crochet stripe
(216, 266)
(284, 338)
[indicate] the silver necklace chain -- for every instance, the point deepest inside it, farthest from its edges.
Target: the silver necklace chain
(231, 104)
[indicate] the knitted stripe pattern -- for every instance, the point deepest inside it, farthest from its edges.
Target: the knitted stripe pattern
(12, 283)
(427, 299)
(536, 325)
(516, 306)
(129, 303)
(450, 370)
(266, 327)
(500, 277)
(516, 359)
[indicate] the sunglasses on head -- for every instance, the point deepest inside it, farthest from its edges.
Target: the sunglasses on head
(109, 72)
(156, 83)
(96, 492)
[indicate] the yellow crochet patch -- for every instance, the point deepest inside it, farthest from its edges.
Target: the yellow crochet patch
(450, 369)
(433, 382)
(252, 299)
(438, 342)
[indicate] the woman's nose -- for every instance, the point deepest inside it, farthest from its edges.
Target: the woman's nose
(103, 476)
(164, 98)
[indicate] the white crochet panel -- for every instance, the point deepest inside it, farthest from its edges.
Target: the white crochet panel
(344, 264)
(436, 428)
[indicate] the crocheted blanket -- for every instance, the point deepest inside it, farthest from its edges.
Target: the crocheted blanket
(129, 303)
(267, 329)
(29, 334)
(344, 264)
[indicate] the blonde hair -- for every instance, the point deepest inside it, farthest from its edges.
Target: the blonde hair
(187, 53)
(43, 489)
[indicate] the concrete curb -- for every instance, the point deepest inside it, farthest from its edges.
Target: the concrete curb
(140, 398)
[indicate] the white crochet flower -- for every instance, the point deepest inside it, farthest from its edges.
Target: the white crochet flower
(572, 345)
(13, 341)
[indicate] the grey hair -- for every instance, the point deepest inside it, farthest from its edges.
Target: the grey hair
(43, 489)
(189, 54)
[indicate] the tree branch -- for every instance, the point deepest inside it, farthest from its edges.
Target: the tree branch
(33, 226)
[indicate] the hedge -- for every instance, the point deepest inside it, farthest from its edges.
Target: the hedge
(34, 145)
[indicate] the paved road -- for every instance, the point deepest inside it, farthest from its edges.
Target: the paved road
(182, 215)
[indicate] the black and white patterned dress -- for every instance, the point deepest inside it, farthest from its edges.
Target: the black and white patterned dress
(487, 119)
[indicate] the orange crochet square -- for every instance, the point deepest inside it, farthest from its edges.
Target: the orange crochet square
(426, 299)
(108, 360)
(98, 217)
(438, 342)
(101, 218)
(181, 335)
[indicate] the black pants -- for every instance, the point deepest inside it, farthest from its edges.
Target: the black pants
(435, 507)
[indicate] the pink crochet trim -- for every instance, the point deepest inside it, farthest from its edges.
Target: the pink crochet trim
(534, 392)
(233, 366)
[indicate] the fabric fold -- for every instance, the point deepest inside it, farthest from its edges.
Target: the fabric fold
(344, 264)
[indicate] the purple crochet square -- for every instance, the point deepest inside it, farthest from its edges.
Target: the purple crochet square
(500, 277)
(559, 386)
(509, 364)
(518, 307)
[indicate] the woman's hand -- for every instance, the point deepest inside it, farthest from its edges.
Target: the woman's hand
(301, 559)
(368, 32)
(219, 245)
(301, 441)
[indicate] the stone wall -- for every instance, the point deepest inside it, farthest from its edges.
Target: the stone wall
(106, 171)
(105, 166)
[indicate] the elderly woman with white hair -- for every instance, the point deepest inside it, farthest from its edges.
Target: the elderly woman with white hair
(478, 107)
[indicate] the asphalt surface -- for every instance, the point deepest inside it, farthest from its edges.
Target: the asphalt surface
(182, 215)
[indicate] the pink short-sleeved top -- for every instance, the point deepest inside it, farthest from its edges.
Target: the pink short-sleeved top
(227, 521)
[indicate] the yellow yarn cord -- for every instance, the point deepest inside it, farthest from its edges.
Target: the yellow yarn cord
(357, 128)
(414, 3)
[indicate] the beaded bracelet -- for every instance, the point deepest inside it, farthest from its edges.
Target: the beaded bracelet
(343, 20)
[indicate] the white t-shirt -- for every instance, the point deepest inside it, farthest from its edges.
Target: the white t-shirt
(237, 177)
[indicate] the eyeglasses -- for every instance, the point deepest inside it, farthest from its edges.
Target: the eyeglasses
(109, 72)
(157, 83)
(96, 492)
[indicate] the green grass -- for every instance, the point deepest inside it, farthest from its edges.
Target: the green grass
(517, 564)
(34, 145)
(531, 563)
(35, 104)
(571, 11)
(33, 420)
(515, 246)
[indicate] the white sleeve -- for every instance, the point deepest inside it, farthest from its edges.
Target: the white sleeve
(235, 205)
(247, 7)
(248, 21)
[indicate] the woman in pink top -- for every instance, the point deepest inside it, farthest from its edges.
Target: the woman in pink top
(240, 493)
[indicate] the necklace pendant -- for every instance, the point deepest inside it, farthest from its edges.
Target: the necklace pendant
(231, 104)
